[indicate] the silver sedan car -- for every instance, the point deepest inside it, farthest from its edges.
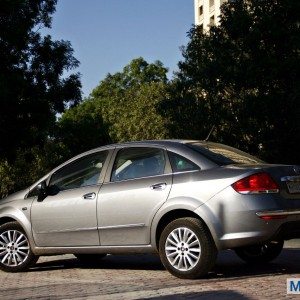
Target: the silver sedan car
(186, 200)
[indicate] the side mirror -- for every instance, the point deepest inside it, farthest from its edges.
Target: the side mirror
(42, 188)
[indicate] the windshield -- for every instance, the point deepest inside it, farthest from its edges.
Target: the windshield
(224, 155)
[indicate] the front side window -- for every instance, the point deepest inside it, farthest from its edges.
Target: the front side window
(181, 164)
(133, 163)
(82, 172)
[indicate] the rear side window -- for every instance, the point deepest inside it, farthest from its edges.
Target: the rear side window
(181, 164)
(223, 155)
(139, 162)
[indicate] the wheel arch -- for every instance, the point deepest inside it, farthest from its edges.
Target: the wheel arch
(9, 218)
(185, 207)
(4, 220)
(11, 260)
(171, 216)
(10, 214)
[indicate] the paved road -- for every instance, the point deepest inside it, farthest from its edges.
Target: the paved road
(143, 276)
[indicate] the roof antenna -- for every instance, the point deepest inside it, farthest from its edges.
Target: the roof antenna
(211, 131)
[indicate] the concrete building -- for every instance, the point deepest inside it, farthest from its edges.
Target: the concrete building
(207, 12)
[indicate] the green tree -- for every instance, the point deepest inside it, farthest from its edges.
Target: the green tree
(81, 128)
(32, 86)
(243, 78)
(30, 165)
(122, 107)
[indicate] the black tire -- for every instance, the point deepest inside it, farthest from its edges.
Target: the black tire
(262, 253)
(90, 258)
(19, 256)
(198, 233)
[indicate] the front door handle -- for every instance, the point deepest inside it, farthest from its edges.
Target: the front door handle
(89, 196)
(158, 186)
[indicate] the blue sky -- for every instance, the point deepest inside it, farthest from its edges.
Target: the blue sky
(107, 34)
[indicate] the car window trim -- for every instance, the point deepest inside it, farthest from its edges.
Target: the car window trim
(137, 178)
(82, 187)
(189, 171)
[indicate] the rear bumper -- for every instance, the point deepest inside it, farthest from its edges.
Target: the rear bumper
(278, 225)
(289, 229)
(239, 220)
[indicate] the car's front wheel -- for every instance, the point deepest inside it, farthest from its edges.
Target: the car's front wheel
(262, 253)
(15, 252)
(187, 249)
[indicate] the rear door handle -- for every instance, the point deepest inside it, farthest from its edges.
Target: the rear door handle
(158, 186)
(89, 196)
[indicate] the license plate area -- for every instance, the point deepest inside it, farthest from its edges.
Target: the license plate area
(293, 187)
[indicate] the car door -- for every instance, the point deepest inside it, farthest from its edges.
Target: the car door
(137, 186)
(68, 217)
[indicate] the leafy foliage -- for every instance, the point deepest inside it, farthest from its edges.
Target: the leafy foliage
(32, 86)
(122, 108)
(81, 128)
(240, 81)
(30, 165)
(243, 78)
(34, 89)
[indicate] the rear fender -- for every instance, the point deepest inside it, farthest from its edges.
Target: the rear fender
(190, 205)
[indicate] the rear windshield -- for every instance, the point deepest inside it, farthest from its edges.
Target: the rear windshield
(224, 155)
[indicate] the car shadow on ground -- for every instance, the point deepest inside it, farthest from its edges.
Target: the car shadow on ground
(228, 264)
(216, 295)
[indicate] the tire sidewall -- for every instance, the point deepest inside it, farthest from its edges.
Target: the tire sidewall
(208, 250)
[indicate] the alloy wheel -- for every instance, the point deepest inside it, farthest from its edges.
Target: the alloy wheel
(14, 248)
(183, 249)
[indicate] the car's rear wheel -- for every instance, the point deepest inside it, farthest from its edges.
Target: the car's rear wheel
(187, 249)
(15, 252)
(90, 258)
(262, 253)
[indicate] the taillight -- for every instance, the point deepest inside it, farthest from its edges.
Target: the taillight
(255, 184)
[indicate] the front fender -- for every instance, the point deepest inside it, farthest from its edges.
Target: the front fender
(22, 217)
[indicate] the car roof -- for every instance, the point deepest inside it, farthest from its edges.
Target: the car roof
(166, 142)
(172, 143)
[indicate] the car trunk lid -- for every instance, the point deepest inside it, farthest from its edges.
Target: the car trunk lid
(286, 176)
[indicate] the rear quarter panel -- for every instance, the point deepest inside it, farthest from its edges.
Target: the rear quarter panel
(192, 190)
